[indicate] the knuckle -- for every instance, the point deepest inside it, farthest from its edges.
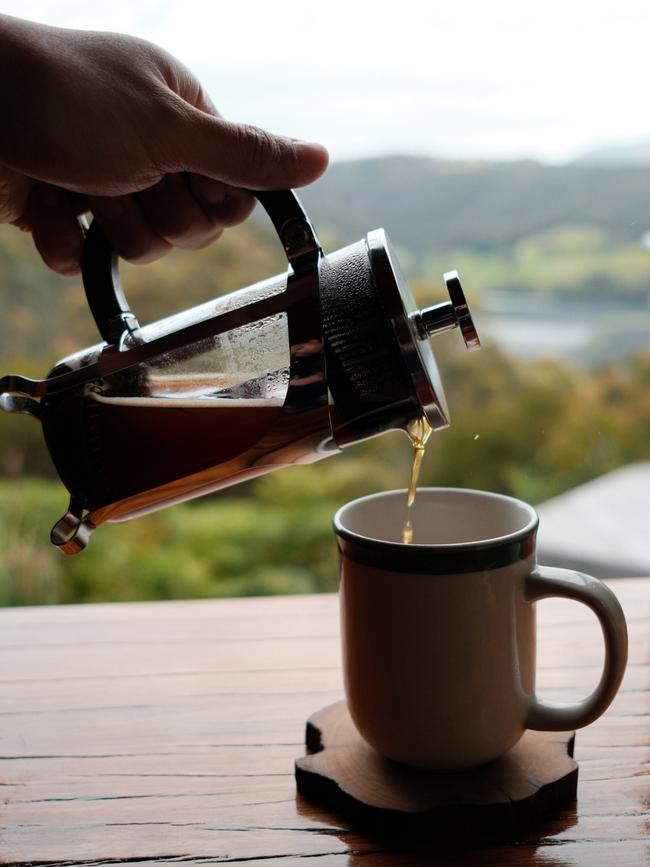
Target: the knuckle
(169, 226)
(235, 209)
(264, 149)
(144, 255)
(199, 241)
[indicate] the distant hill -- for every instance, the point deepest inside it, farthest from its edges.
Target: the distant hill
(429, 204)
(519, 226)
(637, 153)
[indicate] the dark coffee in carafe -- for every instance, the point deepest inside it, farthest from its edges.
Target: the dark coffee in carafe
(126, 445)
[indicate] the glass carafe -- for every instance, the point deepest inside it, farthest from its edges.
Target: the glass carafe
(285, 371)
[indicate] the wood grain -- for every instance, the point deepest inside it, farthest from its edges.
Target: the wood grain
(160, 732)
(532, 780)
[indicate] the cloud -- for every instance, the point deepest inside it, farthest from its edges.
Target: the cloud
(503, 79)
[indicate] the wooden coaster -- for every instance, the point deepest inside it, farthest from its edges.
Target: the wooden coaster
(343, 772)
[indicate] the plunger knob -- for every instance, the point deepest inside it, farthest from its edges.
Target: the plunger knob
(454, 313)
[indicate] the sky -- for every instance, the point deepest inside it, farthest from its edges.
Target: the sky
(504, 79)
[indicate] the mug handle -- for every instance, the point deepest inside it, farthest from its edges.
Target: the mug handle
(548, 581)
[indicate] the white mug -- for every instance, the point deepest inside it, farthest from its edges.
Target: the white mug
(439, 635)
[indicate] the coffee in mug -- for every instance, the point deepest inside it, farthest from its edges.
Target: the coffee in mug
(439, 636)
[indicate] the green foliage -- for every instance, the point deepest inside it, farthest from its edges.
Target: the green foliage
(567, 260)
(536, 429)
(220, 547)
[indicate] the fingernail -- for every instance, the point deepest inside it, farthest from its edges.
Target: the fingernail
(69, 269)
(313, 153)
(311, 146)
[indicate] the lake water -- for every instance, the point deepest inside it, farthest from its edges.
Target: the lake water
(589, 332)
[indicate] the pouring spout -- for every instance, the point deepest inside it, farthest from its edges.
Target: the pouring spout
(21, 404)
(17, 394)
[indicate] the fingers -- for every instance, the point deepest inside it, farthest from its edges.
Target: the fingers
(125, 225)
(246, 156)
(55, 229)
(187, 211)
(228, 205)
(179, 211)
(191, 212)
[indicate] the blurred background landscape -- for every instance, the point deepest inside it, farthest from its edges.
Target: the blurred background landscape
(556, 263)
(508, 141)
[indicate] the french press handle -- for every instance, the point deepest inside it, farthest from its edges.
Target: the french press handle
(100, 271)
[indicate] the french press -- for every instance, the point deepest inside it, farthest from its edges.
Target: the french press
(282, 372)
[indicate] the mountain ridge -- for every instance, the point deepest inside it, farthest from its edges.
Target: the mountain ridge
(431, 203)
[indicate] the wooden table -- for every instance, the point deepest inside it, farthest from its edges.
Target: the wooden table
(166, 732)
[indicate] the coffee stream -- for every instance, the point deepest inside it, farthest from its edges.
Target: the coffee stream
(419, 431)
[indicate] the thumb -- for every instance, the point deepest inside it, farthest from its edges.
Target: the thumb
(247, 156)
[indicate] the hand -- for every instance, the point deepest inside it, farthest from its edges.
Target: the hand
(115, 125)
